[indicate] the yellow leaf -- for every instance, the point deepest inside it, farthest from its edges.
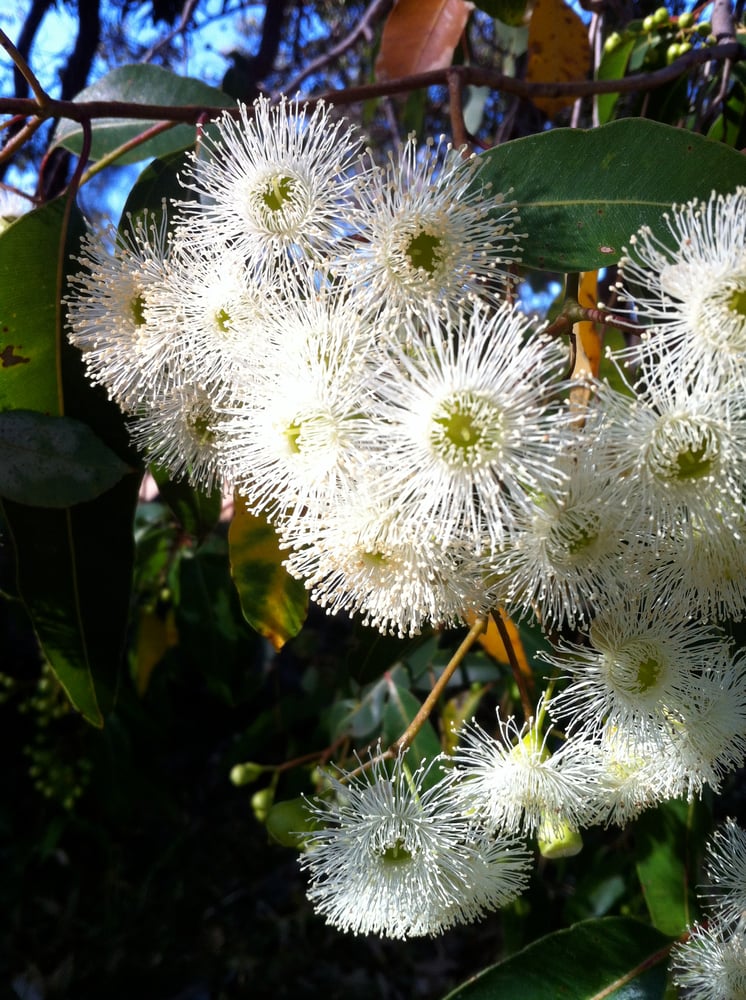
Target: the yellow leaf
(587, 331)
(420, 35)
(558, 50)
(272, 601)
(491, 641)
(155, 636)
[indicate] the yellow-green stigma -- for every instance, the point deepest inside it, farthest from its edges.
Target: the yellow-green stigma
(648, 673)
(396, 854)
(222, 320)
(137, 309)
(737, 302)
(424, 252)
(292, 433)
(202, 429)
(694, 463)
(460, 430)
(279, 190)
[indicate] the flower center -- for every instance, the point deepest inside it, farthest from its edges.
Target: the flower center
(292, 433)
(201, 425)
(737, 302)
(396, 854)
(572, 534)
(683, 448)
(279, 191)
(467, 429)
(137, 309)
(222, 320)
(637, 667)
(424, 252)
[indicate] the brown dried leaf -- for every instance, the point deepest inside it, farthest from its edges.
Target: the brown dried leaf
(420, 35)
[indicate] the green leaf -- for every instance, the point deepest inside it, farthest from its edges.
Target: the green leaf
(53, 461)
(613, 66)
(272, 601)
(581, 194)
(613, 957)
(73, 564)
(30, 248)
(157, 184)
(669, 841)
(401, 707)
(140, 85)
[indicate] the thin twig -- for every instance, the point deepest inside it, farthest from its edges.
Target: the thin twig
(526, 703)
(429, 703)
(41, 95)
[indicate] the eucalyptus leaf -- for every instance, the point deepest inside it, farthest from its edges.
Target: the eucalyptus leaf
(141, 84)
(53, 461)
(610, 957)
(581, 194)
(73, 564)
(272, 601)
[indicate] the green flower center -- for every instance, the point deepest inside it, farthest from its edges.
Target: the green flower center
(137, 309)
(222, 320)
(684, 449)
(648, 673)
(573, 533)
(397, 854)
(638, 667)
(292, 433)
(693, 463)
(737, 302)
(467, 429)
(279, 191)
(424, 252)
(201, 426)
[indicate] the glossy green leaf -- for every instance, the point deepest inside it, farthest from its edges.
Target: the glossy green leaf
(157, 184)
(143, 84)
(613, 957)
(669, 841)
(581, 194)
(53, 461)
(272, 601)
(401, 708)
(29, 249)
(73, 564)
(613, 66)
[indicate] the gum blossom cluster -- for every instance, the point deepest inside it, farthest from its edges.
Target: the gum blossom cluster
(334, 340)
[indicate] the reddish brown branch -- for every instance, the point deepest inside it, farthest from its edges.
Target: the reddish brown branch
(190, 113)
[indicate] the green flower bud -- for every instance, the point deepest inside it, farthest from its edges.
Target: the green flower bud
(246, 774)
(287, 822)
(686, 20)
(660, 16)
(648, 23)
(261, 803)
(613, 42)
(704, 28)
(556, 839)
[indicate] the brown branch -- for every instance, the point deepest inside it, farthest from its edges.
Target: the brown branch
(190, 113)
